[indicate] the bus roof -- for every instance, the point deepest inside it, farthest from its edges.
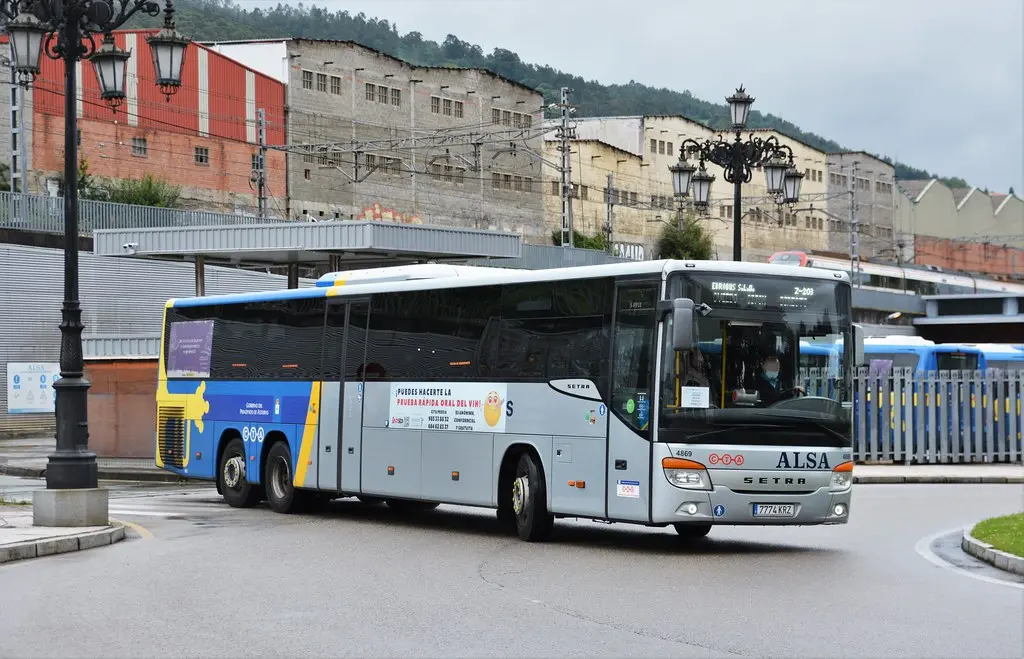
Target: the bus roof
(379, 280)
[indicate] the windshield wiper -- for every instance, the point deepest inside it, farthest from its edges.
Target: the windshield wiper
(734, 426)
(803, 421)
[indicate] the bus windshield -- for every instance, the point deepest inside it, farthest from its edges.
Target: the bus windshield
(769, 366)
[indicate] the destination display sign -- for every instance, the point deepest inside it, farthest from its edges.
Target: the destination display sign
(756, 293)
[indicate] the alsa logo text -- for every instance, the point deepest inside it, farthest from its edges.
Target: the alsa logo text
(798, 460)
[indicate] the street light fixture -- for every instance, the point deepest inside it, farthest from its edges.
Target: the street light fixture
(65, 30)
(738, 158)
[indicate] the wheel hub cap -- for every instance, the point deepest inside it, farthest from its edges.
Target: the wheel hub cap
(281, 478)
(520, 494)
(234, 471)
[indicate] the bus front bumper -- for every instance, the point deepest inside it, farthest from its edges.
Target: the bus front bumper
(724, 506)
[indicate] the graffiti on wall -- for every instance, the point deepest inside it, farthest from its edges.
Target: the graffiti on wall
(633, 251)
(379, 213)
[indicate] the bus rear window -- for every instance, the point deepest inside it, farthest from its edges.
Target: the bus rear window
(956, 361)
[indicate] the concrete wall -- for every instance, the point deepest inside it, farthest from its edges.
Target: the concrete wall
(767, 228)
(122, 407)
(451, 185)
(642, 200)
(876, 198)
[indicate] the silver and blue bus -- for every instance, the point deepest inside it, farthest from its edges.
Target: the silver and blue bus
(580, 392)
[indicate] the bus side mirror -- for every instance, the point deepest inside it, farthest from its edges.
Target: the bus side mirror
(684, 334)
(858, 345)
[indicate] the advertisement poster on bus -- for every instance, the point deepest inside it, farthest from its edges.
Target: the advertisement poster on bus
(455, 407)
(30, 387)
(190, 348)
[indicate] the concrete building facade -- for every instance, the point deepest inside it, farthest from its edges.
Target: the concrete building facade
(485, 175)
(962, 228)
(640, 202)
(203, 139)
(873, 193)
(767, 226)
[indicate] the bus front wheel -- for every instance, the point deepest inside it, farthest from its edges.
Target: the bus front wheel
(529, 501)
(232, 479)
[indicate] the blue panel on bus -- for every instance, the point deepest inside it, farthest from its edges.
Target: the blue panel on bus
(252, 402)
(258, 296)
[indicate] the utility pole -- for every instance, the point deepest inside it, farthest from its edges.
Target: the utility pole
(854, 229)
(261, 162)
(565, 134)
(609, 214)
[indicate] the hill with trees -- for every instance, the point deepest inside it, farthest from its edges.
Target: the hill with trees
(223, 20)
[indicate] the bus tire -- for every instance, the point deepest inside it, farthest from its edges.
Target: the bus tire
(409, 506)
(692, 531)
(232, 479)
(529, 501)
(281, 492)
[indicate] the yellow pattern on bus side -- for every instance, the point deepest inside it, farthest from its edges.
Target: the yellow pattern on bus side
(308, 435)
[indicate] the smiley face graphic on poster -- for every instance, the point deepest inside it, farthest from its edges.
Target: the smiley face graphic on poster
(459, 407)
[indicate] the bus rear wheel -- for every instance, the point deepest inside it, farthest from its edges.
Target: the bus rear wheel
(529, 501)
(692, 531)
(281, 492)
(232, 478)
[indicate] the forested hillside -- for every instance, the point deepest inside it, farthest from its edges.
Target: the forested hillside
(207, 20)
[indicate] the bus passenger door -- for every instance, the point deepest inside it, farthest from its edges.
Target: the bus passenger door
(341, 409)
(350, 422)
(631, 405)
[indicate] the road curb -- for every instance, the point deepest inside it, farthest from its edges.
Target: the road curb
(62, 545)
(896, 479)
(989, 554)
(151, 476)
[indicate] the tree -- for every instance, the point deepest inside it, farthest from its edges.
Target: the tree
(145, 191)
(89, 188)
(5, 177)
(689, 241)
(598, 242)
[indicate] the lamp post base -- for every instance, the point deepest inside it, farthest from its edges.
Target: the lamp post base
(75, 470)
(77, 507)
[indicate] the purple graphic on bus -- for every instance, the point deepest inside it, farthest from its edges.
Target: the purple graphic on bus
(189, 349)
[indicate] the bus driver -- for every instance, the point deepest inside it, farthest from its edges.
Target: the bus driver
(768, 385)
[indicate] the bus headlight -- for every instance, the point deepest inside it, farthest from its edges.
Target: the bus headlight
(842, 477)
(686, 474)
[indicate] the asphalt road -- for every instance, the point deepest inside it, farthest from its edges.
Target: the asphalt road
(200, 579)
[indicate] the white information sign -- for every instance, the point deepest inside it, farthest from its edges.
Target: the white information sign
(30, 387)
(699, 397)
(455, 407)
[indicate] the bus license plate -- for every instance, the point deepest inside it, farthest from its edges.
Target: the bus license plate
(774, 509)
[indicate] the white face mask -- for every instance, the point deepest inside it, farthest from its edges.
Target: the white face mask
(771, 375)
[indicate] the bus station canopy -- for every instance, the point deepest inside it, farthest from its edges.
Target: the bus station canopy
(361, 243)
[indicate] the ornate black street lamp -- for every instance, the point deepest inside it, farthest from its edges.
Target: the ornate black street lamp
(65, 30)
(738, 159)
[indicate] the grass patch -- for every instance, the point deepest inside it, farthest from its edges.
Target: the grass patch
(1004, 533)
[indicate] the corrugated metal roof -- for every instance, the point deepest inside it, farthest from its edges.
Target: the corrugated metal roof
(913, 188)
(309, 243)
(959, 194)
(121, 347)
(542, 257)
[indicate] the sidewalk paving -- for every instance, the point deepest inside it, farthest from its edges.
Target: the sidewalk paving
(19, 539)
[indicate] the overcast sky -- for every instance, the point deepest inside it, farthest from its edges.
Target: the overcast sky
(937, 84)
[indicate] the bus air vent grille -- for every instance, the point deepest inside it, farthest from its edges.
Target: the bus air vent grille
(171, 435)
